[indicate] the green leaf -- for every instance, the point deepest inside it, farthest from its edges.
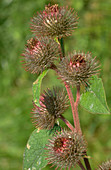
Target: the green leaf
(37, 87)
(35, 154)
(94, 100)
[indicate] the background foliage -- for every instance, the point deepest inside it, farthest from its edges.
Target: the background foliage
(93, 34)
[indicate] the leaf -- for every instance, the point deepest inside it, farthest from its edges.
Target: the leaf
(35, 154)
(94, 100)
(37, 87)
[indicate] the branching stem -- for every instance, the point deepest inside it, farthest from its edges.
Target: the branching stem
(74, 110)
(74, 106)
(67, 122)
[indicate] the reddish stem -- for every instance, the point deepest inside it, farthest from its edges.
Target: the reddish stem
(67, 122)
(77, 125)
(78, 95)
(76, 108)
(74, 105)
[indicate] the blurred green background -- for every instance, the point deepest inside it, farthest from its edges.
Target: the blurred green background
(93, 34)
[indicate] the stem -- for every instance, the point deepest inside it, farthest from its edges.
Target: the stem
(81, 165)
(67, 122)
(87, 164)
(78, 95)
(76, 108)
(74, 105)
(62, 46)
(75, 116)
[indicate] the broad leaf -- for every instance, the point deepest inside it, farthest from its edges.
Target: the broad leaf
(94, 100)
(35, 154)
(37, 87)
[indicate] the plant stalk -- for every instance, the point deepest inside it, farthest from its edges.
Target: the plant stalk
(87, 164)
(74, 111)
(78, 95)
(67, 122)
(81, 165)
(74, 105)
(62, 46)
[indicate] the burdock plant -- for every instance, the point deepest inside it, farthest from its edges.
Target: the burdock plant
(50, 143)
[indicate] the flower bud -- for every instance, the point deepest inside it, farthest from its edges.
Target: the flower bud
(54, 21)
(66, 149)
(53, 103)
(39, 54)
(77, 68)
(105, 165)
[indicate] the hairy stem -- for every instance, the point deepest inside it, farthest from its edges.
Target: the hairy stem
(81, 165)
(67, 122)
